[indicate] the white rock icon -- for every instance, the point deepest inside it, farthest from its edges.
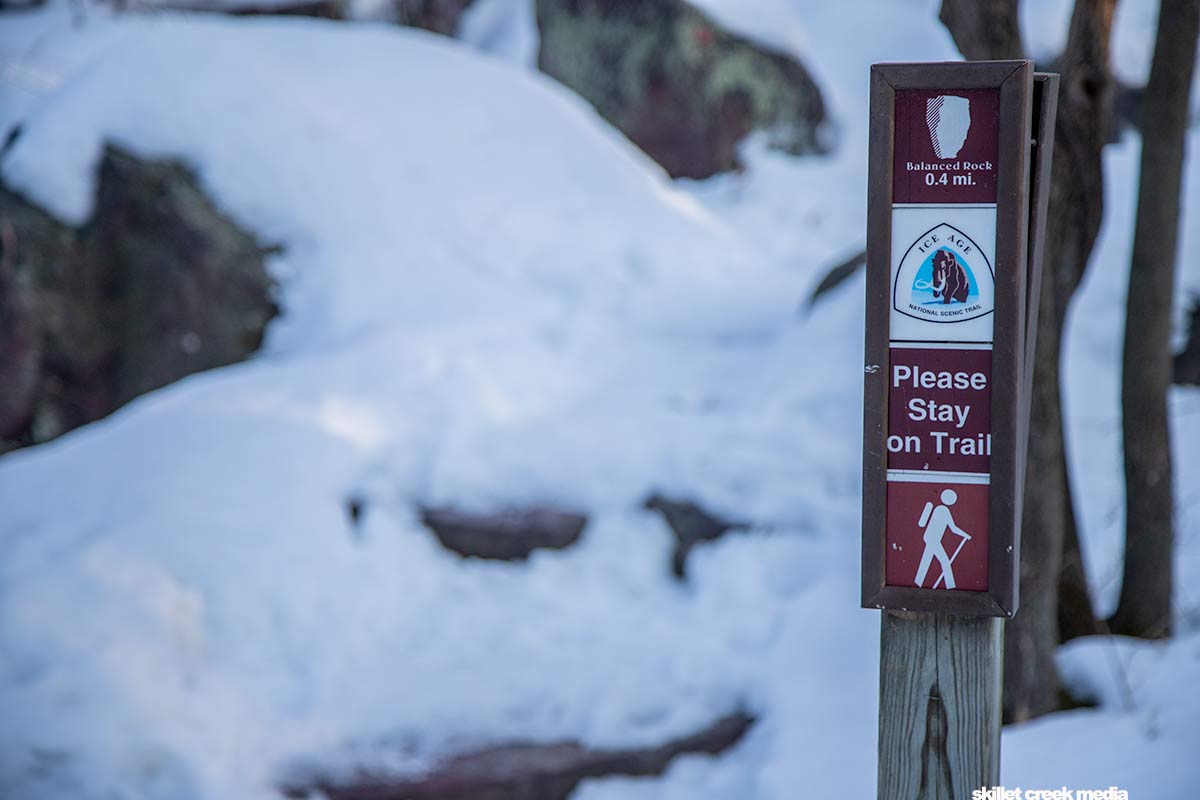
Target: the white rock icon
(949, 119)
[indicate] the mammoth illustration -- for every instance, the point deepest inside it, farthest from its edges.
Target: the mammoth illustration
(949, 278)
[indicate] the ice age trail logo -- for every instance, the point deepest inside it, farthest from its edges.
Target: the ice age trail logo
(947, 278)
(949, 119)
(944, 277)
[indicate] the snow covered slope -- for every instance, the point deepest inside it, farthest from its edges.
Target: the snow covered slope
(491, 299)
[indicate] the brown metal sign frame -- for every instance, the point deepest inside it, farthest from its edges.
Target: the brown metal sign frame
(1045, 113)
(1014, 79)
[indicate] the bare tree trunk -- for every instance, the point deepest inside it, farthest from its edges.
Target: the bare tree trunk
(1077, 206)
(1076, 614)
(984, 30)
(1145, 605)
(989, 30)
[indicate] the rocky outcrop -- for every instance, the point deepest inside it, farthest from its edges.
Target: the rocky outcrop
(157, 285)
(691, 525)
(678, 85)
(506, 535)
(524, 771)
(682, 88)
(318, 9)
(438, 16)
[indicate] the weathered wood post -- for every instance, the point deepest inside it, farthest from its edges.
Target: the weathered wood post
(950, 264)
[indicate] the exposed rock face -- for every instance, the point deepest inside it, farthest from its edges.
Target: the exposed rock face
(438, 16)
(526, 771)
(319, 9)
(506, 535)
(157, 285)
(691, 524)
(678, 85)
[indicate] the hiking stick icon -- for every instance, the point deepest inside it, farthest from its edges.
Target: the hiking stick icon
(936, 520)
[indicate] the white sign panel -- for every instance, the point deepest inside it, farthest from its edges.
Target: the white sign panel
(943, 275)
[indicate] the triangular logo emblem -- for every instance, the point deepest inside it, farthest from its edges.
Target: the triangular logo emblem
(944, 277)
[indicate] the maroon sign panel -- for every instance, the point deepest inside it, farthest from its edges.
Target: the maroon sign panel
(940, 410)
(937, 536)
(948, 214)
(946, 145)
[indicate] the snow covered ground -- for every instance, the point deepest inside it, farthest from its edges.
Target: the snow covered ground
(490, 299)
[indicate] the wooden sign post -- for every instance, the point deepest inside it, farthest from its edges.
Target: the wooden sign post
(950, 321)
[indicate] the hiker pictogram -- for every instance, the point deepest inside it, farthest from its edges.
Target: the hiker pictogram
(936, 522)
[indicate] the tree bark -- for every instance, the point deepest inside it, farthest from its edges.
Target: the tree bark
(1144, 608)
(990, 30)
(1077, 206)
(984, 30)
(1076, 614)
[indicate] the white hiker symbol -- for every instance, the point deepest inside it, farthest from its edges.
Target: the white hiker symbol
(936, 521)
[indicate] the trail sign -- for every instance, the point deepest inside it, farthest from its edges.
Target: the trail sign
(953, 276)
(946, 340)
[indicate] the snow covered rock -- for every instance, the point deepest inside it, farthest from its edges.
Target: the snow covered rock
(156, 285)
(506, 535)
(490, 300)
(527, 771)
(680, 86)
(319, 9)
(438, 16)
(691, 524)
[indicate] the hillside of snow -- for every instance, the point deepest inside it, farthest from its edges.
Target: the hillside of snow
(491, 299)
